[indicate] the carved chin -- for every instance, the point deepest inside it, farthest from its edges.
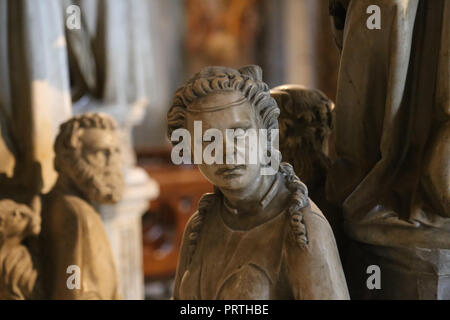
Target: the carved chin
(106, 191)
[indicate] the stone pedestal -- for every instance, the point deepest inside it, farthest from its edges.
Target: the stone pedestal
(123, 225)
(405, 272)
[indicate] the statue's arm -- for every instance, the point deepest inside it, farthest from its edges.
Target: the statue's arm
(66, 250)
(183, 258)
(315, 271)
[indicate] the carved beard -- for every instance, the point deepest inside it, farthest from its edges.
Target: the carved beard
(98, 184)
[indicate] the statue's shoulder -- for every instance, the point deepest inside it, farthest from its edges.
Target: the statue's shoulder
(206, 204)
(195, 225)
(308, 226)
(67, 208)
(315, 220)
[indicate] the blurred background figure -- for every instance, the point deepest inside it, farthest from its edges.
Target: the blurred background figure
(306, 122)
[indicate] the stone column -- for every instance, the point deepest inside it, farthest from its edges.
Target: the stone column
(124, 228)
(310, 55)
(299, 27)
(34, 89)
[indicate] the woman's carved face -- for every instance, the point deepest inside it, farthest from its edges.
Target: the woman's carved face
(238, 116)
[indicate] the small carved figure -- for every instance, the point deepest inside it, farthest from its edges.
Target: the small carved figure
(17, 273)
(87, 158)
(258, 236)
(306, 122)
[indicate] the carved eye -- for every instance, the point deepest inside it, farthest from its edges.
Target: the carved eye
(97, 157)
(107, 153)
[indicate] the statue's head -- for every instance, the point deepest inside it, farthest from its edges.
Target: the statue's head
(18, 220)
(306, 123)
(87, 154)
(224, 98)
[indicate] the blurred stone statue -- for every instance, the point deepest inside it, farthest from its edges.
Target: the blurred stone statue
(34, 100)
(306, 123)
(42, 66)
(18, 274)
(258, 236)
(89, 165)
(392, 173)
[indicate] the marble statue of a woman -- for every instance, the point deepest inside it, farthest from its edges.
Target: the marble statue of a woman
(257, 236)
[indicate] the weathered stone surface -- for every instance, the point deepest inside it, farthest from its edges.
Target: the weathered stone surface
(391, 177)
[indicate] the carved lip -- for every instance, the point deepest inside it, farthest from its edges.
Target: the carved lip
(231, 170)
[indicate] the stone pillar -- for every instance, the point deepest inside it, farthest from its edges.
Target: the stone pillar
(123, 225)
(34, 89)
(299, 27)
(310, 55)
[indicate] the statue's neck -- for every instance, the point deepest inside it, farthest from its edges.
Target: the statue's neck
(247, 199)
(7, 243)
(253, 211)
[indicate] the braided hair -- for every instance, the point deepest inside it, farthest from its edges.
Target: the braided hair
(299, 201)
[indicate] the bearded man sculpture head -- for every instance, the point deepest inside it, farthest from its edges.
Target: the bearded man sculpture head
(88, 157)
